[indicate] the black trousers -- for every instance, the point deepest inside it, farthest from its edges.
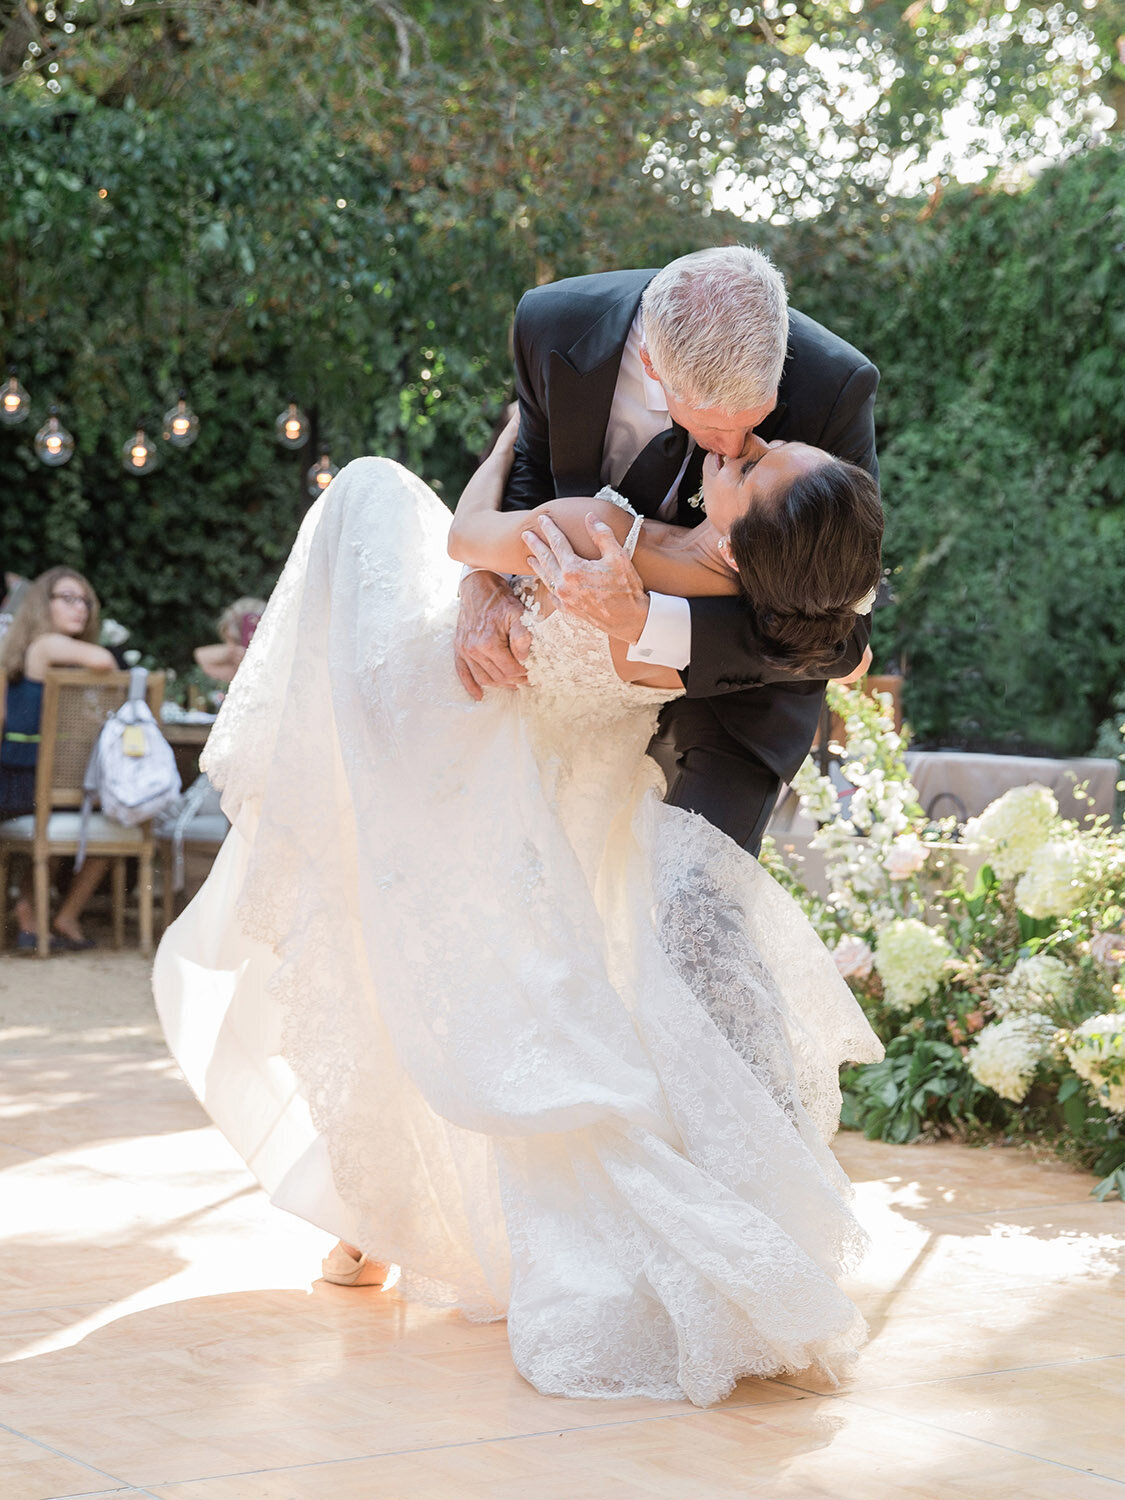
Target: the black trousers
(710, 773)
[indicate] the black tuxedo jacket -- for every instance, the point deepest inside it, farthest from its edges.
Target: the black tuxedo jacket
(569, 339)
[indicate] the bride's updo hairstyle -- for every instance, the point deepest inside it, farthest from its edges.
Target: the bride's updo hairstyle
(809, 560)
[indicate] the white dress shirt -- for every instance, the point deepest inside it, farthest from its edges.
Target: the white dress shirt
(640, 411)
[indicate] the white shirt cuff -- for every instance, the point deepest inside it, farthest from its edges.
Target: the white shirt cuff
(666, 639)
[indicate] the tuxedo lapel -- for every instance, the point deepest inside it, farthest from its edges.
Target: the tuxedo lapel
(581, 383)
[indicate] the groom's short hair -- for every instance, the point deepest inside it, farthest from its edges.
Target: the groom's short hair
(716, 326)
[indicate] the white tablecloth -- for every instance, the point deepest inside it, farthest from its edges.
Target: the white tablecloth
(961, 783)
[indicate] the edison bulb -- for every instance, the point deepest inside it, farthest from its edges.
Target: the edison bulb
(53, 443)
(15, 403)
(292, 427)
(138, 454)
(320, 476)
(181, 425)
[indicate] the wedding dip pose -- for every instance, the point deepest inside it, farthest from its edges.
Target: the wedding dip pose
(464, 991)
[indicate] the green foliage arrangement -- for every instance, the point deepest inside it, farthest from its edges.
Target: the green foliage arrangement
(999, 995)
(343, 202)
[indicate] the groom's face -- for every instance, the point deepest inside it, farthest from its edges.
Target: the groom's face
(727, 433)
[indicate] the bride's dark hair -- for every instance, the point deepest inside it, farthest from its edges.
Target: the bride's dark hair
(805, 558)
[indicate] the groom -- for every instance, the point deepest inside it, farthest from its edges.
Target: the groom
(629, 378)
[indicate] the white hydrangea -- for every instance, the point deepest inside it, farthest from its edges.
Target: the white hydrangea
(1035, 984)
(1097, 1053)
(113, 633)
(1056, 879)
(1005, 1055)
(853, 957)
(905, 857)
(910, 957)
(1012, 828)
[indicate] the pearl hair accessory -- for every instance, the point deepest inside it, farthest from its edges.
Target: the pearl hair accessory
(864, 606)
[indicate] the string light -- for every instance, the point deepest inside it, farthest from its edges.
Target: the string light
(292, 427)
(138, 454)
(181, 425)
(53, 443)
(320, 476)
(15, 403)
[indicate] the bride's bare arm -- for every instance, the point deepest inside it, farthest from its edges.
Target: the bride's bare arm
(484, 536)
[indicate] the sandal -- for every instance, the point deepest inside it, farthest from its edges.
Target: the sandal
(340, 1269)
(67, 944)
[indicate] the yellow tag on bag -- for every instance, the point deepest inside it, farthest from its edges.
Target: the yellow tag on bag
(133, 740)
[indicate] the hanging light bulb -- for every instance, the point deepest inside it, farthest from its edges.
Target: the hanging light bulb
(181, 425)
(138, 454)
(320, 476)
(292, 427)
(53, 443)
(15, 403)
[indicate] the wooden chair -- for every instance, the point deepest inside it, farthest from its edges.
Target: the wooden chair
(76, 702)
(198, 827)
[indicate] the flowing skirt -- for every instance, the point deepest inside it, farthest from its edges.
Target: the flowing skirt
(462, 990)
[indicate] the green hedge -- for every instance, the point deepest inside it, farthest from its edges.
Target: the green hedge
(998, 321)
(219, 259)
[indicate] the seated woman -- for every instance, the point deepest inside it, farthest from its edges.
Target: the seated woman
(56, 625)
(236, 627)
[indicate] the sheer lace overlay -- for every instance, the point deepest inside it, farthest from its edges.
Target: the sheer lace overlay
(463, 990)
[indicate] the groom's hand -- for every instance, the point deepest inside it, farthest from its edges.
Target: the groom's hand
(606, 591)
(491, 641)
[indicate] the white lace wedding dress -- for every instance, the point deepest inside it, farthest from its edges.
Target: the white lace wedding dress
(462, 990)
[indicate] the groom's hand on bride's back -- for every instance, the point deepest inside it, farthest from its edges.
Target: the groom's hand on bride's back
(491, 642)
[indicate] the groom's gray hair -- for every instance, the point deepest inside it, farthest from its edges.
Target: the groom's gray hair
(716, 326)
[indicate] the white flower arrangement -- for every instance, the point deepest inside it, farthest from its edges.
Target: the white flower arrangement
(1056, 879)
(854, 958)
(1096, 1050)
(1035, 984)
(113, 633)
(910, 958)
(905, 857)
(1004, 1056)
(1012, 828)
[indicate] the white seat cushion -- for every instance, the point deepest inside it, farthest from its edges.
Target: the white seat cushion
(66, 826)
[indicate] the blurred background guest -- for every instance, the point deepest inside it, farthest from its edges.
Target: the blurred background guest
(236, 627)
(55, 625)
(12, 587)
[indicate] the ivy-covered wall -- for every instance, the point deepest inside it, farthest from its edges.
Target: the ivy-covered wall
(248, 258)
(998, 321)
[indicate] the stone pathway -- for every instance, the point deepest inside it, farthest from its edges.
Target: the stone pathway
(161, 1333)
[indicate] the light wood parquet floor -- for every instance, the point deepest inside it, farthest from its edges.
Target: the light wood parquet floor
(162, 1334)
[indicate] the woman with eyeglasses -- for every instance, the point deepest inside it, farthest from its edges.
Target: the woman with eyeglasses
(56, 625)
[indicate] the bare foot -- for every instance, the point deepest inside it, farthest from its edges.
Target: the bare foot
(67, 927)
(25, 915)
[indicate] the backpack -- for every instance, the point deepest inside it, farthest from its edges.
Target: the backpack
(132, 768)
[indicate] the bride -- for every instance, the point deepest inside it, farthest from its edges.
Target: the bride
(462, 990)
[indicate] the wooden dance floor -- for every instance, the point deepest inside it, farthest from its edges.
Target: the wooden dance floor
(162, 1334)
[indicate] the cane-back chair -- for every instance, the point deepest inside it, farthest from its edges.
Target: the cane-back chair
(76, 703)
